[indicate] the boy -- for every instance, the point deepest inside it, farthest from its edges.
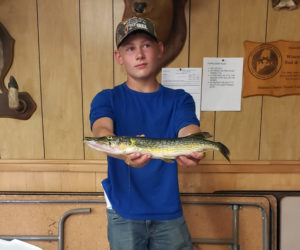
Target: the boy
(143, 202)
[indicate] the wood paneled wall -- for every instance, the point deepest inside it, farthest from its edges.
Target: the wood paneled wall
(64, 56)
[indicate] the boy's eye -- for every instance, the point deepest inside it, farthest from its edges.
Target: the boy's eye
(130, 48)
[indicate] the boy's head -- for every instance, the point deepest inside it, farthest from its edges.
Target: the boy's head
(132, 26)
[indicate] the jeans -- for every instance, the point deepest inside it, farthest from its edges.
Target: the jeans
(126, 234)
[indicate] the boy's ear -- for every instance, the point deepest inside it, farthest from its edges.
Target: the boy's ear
(118, 57)
(161, 49)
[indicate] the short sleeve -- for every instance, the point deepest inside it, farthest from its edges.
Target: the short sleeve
(185, 111)
(101, 106)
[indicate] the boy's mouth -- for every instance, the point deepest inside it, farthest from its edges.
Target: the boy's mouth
(141, 65)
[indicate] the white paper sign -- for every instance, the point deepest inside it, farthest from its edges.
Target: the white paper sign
(222, 84)
(188, 79)
(17, 245)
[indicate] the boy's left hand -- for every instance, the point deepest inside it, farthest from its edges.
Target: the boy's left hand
(190, 160)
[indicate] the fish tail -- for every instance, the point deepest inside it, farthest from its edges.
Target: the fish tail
(224, 150)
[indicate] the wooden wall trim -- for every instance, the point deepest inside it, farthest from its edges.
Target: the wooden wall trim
(101, 166)
(246, 167)
(53, 165)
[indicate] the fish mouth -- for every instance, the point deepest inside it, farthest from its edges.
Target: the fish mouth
(103, 147)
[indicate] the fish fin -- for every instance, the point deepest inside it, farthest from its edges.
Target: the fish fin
(224, 150)
(167, 160)
(200, 135)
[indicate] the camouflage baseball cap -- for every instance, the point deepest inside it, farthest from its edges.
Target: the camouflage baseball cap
(134, 24)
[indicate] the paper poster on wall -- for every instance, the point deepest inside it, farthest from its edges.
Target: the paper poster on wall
(272, 68)
(222, 84)
(188, 79)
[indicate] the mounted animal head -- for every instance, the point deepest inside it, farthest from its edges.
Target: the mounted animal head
(289, 4)
(169, 19)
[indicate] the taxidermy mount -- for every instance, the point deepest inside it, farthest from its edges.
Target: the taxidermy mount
(169, 19)
(12, 103)
(289, 4)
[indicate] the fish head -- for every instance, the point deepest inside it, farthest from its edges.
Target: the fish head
(106, 140)
(108, 144)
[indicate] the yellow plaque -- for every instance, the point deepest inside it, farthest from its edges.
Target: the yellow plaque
(271, 68)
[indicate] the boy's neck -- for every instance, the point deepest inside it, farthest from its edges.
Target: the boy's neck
(143, 86)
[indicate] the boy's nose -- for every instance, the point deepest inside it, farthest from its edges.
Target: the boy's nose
(140, 54)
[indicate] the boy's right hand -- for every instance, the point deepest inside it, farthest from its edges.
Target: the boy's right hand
(137, 160)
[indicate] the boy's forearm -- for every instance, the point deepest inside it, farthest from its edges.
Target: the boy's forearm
(188, 130)
(99, 132)
(103, 127)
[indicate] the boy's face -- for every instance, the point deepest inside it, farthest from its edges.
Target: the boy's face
(140, 55)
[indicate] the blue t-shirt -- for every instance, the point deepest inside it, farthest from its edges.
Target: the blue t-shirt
(150, 192)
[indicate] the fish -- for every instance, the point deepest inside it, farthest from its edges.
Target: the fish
(164, 149)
